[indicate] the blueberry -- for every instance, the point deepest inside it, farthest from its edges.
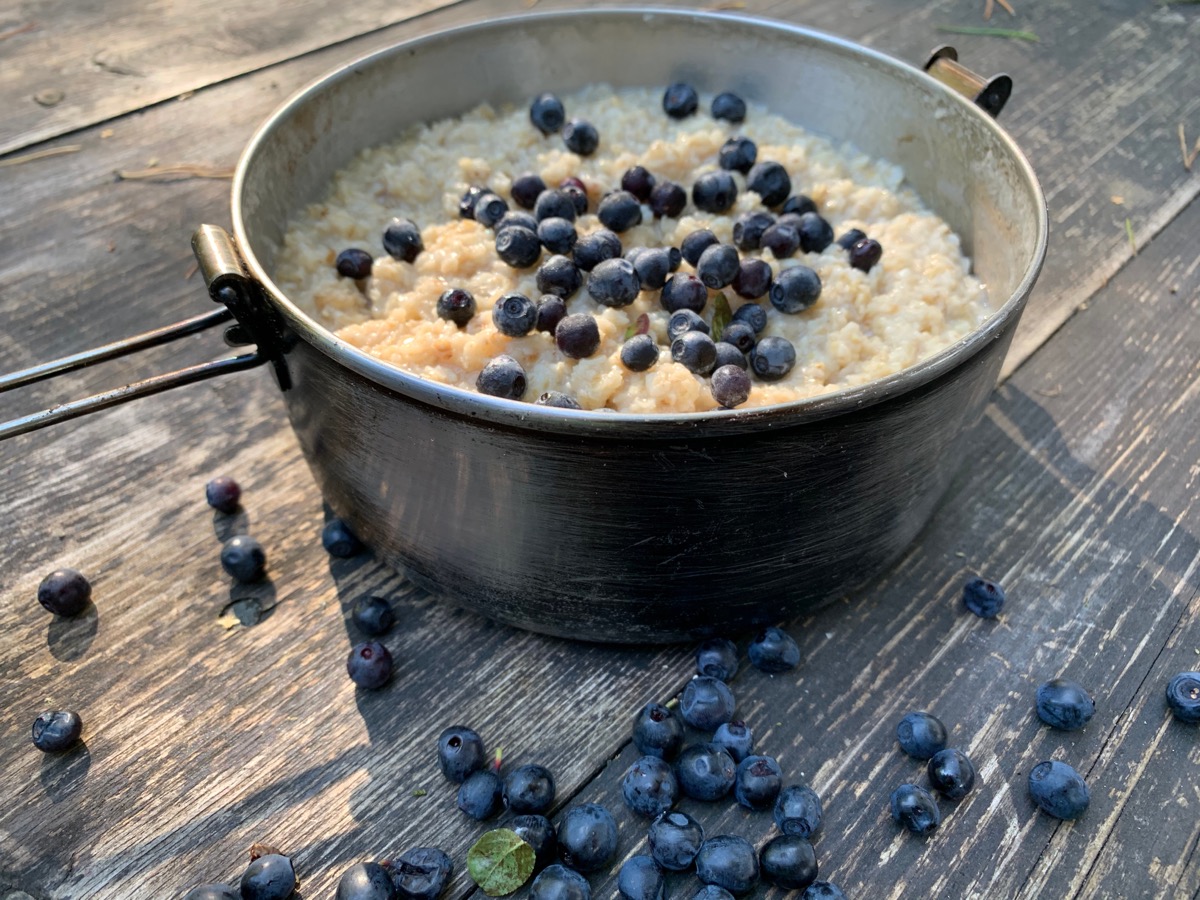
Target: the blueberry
(705, 771)
(758, 781)
(984, 598)
(421, 873)
(469, 199)
(653, 267)
(683, 291)
(560, 883)
(736, 737)
(516, 217)
(514, 314)
(572, 181)
(772, 358)
(915, 809)
(1183, 697)
(619, 211)
(795, 290)
(212, 892)
(338, 540)
(587, 837)
(712, 892)
(695, 351)
(581, 137)
(526, 188)
(798, 811)
(366, 881)
(270, 877)
(558, 399)
(373, 615)
(502, 377)
(773, 650)
(550, 311)
(714, 192)
(554, 204)
(921, 735)
(557, 234)
(753, 278)
(560, 276)
(66, 592)
(538, 833)
(223, 494)
(680, 100)
(729, 107)
(815, 233)
(649, 786)
(674, 840)
(577, 195)
(639, 182)
(850, 238)
(490, 209)
(639, 353)
(751, 314)
(614, 282)
(369, 665)
(798, 205)
(729, 355)
(865, 253)
(695, 244)
(951, 773)
(456, 305)
(781, 239)
(594, 248)
(657, 731)
(788, 861)
(1064, 704)
(737, 154)
(243, 558)
(1058, 790)
(728, 861)
(748, 229)
(354, 263)
(529, 789)
(823, 890)
(683, 321)
(402, 240)
(740, 335)
(717, 658)
(718, 266)
(481, 795)
(460, 752)
(667, 199)
(547, 113)
(518, 247)
(730, 382)
(640, 878)
(56, 730)
(770, 181)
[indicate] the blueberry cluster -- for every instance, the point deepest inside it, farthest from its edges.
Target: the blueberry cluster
(1055, 787)
(269, 876)
(951, 773)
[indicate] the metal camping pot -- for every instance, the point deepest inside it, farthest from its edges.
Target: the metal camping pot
(609, 526)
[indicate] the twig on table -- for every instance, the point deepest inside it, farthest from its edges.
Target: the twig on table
(1007, 7)
(20, 29)
(990, 32)
(1129, 234)
(174, 173)
(989, 7)
(41, 154)
(1188, 158)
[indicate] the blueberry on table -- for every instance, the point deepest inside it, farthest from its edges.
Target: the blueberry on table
(717, 658)
(373, 615)
(649, 786)
(921, 735)
(730, 381)
(718, 266)
(554, 204)
(460, 752)
(1183, 697)
(369, 665)
(557, 399)
(456, 305)
(213, 892)
(751, 314)
(587, 837)
(680, 100)
(674, 839)
(714, 192)
(56, 730)
(640, 878)
(614, 282)
(402, 240)
(560, 883)
(547, 113)
(705, 771)
(526, 188)
(619, 211)
(481, 795)
(577, 336)
(243, 558)
(223, 494)
(865, 253)
(782, 239)
(823, 890)
(984, 598)
(914, 808)
(514, 314)
(502, 377)
(683, 291)
(788, 861)
(695, 351)
(490, 209)
(728, 861)
(559, 275)
(736, 737)
(639, 182)
(748, 229)
(795, 290)
(557, 234)
(270, 877)
(366, 881)
(683, 321)
(695, 244)
(338, 540)
(65, 592)
(951, 773)
(550, 311)
(850, 238)
(773, 650)
(538, 832)
(757, 782)
(592, 249)
(639, 353)
(1058, 790)
(772, 358)
(518, 247)
(729, 106)
(653, 266)
(770, 181)
(753, 278)
(667, 200)
(421, 873)
(1064, 704)
(712, 892)
(737, 154)
(657, 731)
(744, 338)
(798, 811)
(529, 789)
(815, 233)
(354, 262)
(581, 137)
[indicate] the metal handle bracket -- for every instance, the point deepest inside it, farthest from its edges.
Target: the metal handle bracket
(989, 94)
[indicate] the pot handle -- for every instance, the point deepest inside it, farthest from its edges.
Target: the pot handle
(228, 284)
(989, 94)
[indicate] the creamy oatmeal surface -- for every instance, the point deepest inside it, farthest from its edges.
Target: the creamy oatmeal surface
(918, 299)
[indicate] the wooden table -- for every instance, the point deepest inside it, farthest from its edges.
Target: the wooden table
(203, 734)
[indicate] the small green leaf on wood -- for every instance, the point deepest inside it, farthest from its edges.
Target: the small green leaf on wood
(990, 32)
(420, 792)
(721, 315)
(1129, 234)
(500, 862)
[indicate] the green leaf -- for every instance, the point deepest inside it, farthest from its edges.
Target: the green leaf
(640, 325)
(989, 32)
(500, 862)
(721, 315)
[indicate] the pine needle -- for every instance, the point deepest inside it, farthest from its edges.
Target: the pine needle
(174, 173)
(1188, 158)
(991, 32)
(41, 154)
(1129, 234)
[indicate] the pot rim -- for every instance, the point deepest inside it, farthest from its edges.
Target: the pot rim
(527, 415)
